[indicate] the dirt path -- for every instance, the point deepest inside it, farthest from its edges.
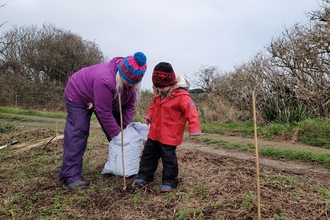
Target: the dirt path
(285, 145)
(299, 167)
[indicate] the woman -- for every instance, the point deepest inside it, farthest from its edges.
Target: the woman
(96, 89)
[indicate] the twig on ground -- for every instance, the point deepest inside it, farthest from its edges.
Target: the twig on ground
(37, 143)
(49, 142)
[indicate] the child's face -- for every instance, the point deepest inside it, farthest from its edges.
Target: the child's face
(165, 89)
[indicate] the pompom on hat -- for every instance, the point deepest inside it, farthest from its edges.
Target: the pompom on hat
(132, 68)
(163, 75)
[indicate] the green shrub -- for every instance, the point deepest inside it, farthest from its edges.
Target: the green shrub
(315, 132)
(289, 115)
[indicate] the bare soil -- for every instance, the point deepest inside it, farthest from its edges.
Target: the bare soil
(215, 183)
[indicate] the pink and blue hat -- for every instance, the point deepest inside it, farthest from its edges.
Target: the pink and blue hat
(132, 68)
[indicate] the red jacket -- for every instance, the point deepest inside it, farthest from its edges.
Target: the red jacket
(169, 117)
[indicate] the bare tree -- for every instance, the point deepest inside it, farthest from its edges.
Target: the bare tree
(205, 78)
(3, 23)
(302, 52)
(322, 14)
(291, 81)
(48, 54)
(40, 60)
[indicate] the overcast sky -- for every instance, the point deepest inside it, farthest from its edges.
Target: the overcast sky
(188, 34)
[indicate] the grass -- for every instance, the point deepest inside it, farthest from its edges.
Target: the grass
(211, 186)
(211, 189)
(314, 132)
(17, 114)
(306, 156)
(12, 118)
(31, 112)
(311, 132)
(7, 127)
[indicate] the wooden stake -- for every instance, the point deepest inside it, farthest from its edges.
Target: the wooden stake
(122, 140)
(56, 132)
(256, 152)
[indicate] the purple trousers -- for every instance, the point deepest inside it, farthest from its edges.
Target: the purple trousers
(76, 133)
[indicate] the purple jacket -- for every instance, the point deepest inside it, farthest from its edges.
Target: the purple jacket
(97, 84)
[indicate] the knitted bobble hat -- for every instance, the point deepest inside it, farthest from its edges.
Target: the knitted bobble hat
(163, 75)
(132, 68)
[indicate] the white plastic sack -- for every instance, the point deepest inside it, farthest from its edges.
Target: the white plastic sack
(133, 136)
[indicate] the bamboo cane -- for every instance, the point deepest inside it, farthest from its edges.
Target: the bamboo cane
(122, 140)
(256, 152)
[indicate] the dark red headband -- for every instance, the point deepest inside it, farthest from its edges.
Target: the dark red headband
(162, 79)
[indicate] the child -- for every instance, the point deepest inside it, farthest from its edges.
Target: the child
(171, 108)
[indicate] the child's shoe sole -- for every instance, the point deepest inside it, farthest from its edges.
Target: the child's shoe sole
(166, 188)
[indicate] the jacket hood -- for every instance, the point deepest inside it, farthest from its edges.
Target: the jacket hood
(182, 83)
(116, 61)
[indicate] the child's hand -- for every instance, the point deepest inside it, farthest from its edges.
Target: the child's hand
(193, 137)
(147, 121)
